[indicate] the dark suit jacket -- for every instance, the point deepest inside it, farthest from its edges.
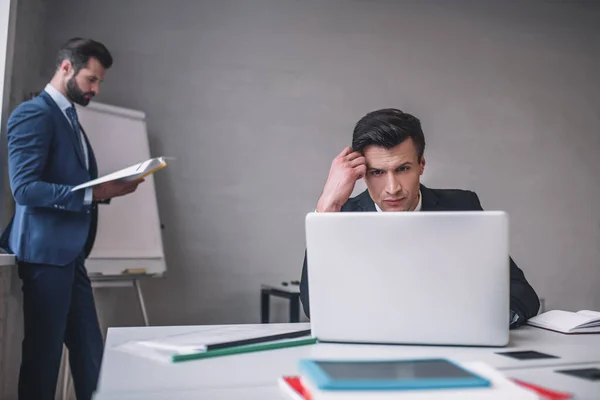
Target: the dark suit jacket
(523, 299)
(51, 224)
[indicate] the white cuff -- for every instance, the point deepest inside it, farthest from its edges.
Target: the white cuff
(89, 196)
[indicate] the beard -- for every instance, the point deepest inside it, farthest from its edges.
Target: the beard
(76, 94)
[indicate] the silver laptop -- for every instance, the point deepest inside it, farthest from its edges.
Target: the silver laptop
(432, 278)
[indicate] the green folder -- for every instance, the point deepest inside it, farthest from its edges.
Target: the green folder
(243, 349)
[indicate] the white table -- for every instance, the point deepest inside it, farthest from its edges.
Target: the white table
(7, 260)
(549, 378)
(238, 393)
(220, 377)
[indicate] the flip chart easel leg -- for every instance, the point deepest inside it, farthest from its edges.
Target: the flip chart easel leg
(138, 289)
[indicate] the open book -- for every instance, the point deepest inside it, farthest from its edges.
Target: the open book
(583, 321)
(129, 174)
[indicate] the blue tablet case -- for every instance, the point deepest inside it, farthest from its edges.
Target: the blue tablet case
(311, 370)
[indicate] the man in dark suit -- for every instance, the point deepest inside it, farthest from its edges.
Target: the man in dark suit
(53, 228)
(387, 151)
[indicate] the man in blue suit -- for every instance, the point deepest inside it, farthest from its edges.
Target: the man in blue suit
(53, 228)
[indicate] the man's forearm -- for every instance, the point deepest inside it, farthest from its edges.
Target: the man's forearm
(50, 195)
(523, 298)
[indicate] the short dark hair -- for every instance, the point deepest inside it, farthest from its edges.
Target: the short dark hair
(388, 128)
(80, 50)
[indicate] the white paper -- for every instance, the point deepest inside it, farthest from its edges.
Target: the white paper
(593, 314)
(126, 174)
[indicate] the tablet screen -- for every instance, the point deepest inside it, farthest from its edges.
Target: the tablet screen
(393, 370)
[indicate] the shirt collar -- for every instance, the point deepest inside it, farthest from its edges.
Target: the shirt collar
(61, 101)
(417, 208)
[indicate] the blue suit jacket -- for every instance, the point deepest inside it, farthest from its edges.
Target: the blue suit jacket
(51, 224)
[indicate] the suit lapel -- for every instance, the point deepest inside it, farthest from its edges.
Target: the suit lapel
(430, 201)
(65, 125)
(365, 203)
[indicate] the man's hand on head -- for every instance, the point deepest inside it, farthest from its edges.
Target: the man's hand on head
(348, 167)
(108, 190)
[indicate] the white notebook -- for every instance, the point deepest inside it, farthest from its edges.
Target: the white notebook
(132, 173)
(584, 321)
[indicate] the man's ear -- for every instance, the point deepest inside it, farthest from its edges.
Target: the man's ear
(422, 165)
(65, 67)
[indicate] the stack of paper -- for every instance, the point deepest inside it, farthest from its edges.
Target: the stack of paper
(218, 341)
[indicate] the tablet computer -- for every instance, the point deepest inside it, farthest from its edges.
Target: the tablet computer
(389, 374)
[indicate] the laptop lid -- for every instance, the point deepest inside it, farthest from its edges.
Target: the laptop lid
(438, 278)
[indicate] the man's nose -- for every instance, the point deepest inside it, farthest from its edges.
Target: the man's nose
(392, 185)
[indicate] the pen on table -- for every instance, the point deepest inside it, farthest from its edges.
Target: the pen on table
(262, 339)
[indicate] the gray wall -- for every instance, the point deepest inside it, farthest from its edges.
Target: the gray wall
(25, 52)
(7, 36)
(254, 98)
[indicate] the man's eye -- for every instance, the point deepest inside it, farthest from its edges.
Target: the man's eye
(403, 168)
(376, 172)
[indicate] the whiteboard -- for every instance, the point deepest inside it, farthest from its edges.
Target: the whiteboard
(129, 228)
